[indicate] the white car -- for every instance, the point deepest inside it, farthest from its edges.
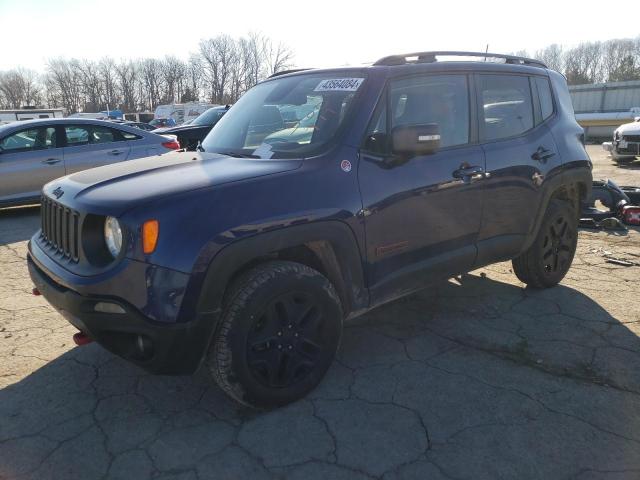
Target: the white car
(625, 146)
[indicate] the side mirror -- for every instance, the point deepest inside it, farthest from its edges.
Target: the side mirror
(412, 140)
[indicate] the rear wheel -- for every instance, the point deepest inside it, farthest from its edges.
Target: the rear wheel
(279, 333)
(548, 259)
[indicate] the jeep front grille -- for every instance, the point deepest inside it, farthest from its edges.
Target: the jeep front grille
(60, 228)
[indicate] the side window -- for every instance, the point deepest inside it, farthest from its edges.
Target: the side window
(128, 135)
(440, 99)
(506, 105)
(32, 139)
(103, 135)
(546, 99)
(76, 135)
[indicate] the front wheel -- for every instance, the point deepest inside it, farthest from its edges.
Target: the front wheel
(546, 262)
(278, 335)
(623, 159)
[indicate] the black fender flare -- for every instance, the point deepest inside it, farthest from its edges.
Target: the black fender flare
(576, 175)
(332, 241)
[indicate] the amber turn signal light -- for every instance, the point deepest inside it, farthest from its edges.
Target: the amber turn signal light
(150, 230)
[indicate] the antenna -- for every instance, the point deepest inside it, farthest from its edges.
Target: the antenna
(486, 50)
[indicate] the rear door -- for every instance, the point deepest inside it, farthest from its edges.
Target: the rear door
(521, 155)
(422, 217)
(89, 146)
(29, 158)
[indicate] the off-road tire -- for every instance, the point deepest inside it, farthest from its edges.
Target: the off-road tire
(546, 262)
(265, 302)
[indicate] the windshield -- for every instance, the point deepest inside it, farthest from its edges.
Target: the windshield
(210, 117)
(285, 118)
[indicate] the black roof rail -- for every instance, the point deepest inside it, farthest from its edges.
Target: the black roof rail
(284, 72)
(430, 57)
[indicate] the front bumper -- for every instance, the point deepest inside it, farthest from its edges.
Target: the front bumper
(626, 148)
(158, 347)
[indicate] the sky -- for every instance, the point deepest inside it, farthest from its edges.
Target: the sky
(321, 33)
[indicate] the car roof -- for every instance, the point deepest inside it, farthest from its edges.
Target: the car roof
(387, 67)
(20, 124)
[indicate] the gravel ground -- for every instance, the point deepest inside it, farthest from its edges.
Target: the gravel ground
(473, 378)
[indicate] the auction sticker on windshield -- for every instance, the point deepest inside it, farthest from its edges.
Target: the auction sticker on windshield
(339, 84)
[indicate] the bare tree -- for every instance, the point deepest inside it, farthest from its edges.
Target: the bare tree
(552, 56)
(173, 77)
(92, 87)
(63, 78)
(221, 70)
(193, 79)
(127, 77)
(219, 55)
(584, 63)
(19, 88)
(279, 57)
(107, 71)
(151, 80)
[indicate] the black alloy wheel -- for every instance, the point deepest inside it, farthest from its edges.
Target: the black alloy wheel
(279, 332)
(557, 245)
(286, 340)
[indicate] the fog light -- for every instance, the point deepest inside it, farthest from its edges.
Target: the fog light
(108, 307)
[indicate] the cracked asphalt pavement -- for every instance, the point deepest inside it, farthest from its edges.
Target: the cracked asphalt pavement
(474, 378)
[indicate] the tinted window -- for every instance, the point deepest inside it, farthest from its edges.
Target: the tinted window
(507, 107)
(546, 100)
(103, 135)
(128, 136)
(32, 139)
(93, 134)
(210, 117)
(76, 135)
(440, 99)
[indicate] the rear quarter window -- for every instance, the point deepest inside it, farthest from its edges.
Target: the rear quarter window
(544, 94)
(129, 135)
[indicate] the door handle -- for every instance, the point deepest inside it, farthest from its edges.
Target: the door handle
(467, 173)
(116, 152)
(542, 154)
(51, 161)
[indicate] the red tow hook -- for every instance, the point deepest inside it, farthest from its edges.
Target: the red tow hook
(81, 338)
(36, 292)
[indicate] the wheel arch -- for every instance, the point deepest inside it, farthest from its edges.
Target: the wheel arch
(327, 246)
(573, 185)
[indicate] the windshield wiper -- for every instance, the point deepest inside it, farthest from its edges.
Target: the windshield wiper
(238, 155)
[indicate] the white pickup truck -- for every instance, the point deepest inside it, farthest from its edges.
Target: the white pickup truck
(625, 146)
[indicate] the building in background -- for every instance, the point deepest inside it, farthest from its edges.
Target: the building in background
(600, 108)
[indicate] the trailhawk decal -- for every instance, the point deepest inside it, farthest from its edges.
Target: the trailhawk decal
(339, 85)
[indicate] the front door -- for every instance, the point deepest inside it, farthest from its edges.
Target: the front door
(422, 215)
(29, 158)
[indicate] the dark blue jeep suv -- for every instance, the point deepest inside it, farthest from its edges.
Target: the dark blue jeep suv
(248, 255)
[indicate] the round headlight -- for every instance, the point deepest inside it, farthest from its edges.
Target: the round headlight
(113, 236)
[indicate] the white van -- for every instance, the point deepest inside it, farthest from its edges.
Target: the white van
(8, 116)
(181, 112)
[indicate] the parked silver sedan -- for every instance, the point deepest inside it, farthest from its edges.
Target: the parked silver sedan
(35, 152)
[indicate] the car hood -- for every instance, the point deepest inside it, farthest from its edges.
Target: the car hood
(115, 188)
(632, 128)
